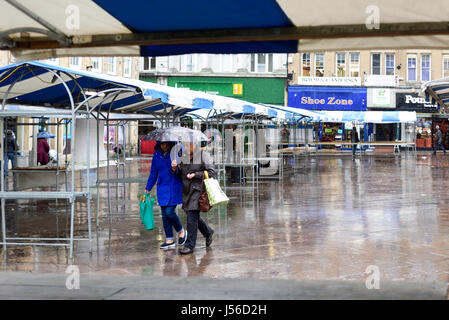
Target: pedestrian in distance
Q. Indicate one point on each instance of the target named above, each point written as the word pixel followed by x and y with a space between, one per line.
pixel 354 138
pixel 438 141
pixel 285 134
pixel 10 150
pixel 191 170
pixel 169 192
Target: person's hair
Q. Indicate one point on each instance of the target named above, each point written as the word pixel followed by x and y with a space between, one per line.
pixel 170 143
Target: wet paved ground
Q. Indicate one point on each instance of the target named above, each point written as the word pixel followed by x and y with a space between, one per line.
pixel 330 219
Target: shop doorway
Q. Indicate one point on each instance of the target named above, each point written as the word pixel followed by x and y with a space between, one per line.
pixel 385 132
pixel 443 124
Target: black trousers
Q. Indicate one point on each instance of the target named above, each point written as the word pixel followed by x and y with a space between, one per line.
pixel 195 223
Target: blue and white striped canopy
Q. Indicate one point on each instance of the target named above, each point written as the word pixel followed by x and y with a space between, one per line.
pixel 437 91
pixel 350 116
pixel 364 116
pixel 161 27
pixel 35 84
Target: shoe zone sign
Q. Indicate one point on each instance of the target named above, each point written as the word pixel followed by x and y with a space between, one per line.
pixel 327 98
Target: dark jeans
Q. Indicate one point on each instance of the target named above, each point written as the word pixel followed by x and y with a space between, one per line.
pixel 440 145
pixel 195 222
pixel 9 156
pixel 354 148
pixel 170 219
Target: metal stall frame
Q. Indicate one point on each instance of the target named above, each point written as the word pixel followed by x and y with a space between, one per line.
pixel 71 195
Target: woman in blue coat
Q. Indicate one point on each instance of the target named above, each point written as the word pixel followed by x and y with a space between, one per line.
pixel 169 192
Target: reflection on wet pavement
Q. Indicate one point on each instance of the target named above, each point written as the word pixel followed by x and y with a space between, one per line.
pixel 330 219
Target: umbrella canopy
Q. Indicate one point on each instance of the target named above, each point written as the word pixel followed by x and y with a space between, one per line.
pixel 176 133
pixel 45 135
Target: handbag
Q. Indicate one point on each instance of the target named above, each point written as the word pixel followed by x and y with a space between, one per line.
pixel 204 199
pixel 146 210
pixel 214 193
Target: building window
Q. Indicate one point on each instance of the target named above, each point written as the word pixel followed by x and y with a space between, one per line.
pixel 319 64
pixel 186 63
pixel 375 63
pixel 355 64
pixel 96 64
pixel 112 65
pixel 425 67
pixel 76 62
pixel 127 67
pixel 305 65
pixel 270 62
pixel 53 61
pixel 411 68
pixel 189 63
pixel 262 62
pixel 147 63
pixel 341 64
pixel 226 63
pixel 389 64
pixel 445 66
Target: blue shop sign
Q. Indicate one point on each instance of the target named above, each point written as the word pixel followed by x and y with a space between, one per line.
pixel 327 98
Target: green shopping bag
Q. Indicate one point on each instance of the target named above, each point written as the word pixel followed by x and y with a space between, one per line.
pixel 146 210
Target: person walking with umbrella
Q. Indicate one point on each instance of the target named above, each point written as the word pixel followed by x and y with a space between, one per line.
pixel 169 192
pixel 191 170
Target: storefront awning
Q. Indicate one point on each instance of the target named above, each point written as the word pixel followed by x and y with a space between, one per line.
pixel 364 116
pixel 51 28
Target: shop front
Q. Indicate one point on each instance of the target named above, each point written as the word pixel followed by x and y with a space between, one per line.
pixel 329 98
pixel 427 118
pixel 382 99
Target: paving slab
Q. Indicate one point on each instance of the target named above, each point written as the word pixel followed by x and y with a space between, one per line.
pixel 17 285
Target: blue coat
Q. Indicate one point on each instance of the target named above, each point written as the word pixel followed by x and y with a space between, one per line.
pixel 169 185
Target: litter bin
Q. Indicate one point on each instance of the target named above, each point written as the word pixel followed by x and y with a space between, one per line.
pixel 22 161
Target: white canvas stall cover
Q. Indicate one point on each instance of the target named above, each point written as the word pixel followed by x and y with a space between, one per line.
pixel 314 25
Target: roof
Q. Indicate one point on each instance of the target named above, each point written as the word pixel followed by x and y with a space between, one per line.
pixel 40 29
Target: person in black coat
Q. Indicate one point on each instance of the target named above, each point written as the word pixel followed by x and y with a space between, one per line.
pixel 354 138
pixel 191 170
pixel 10 150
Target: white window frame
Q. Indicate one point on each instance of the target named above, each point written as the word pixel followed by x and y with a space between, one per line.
pixel 229 62
pixel 187 58
pixel 444 55
pixel 394 62
pixel 142 63
pixel 114 71
pixel 412 55
pixel 430 66
pixel 315 64
pixel 350 64
pixel 380 62
pixel 129 61
pixel 53 61
pixel 76 66
pixel 100 66
pixel 310 64
pixel 336 64
pixel 256 62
